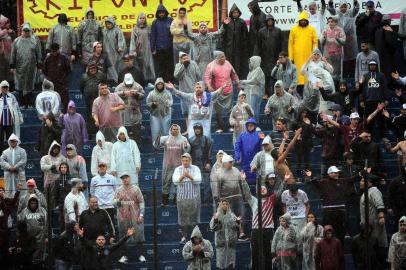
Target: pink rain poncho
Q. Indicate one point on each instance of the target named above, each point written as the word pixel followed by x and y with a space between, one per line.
pixel 334 40
pixel 217 75
pixel 101 108
pixel 5 49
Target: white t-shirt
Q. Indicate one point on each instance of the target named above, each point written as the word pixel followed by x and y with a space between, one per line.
pixel 295 206
pixel 268 164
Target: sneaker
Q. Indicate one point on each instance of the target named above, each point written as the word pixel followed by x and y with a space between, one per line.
pixel 219 130
pixel 142 259
pixel 123 260
pixel 243 237
pixel 183 241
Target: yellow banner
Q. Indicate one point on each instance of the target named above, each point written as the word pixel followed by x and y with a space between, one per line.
pixel 43 14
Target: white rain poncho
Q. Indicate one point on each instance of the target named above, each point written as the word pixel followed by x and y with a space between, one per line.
pixel 198 261
pixel 309 236
pixel 254 85
pixel 101 153
pixel 238 116
pixel 125 157
pixel 50 164
pixel 89 31
pixel 63 35
pixel 397 248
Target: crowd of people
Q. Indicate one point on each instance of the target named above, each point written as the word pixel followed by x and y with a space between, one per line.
pixel 333 83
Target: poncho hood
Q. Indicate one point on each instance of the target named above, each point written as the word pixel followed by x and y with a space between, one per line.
pixel 141 14
pixel 3 21
pixel 180 132
pixel 402 220
pixel 328 228
pixel 251 121
pixel 33 197
pixel 158 80
pixel 303 16
pixel 89 9
pixel 122 130
pixel 100 137
pixel 255 7
pixel 255 62
pixel 269 17
pixel 196 233
pixel 13 137
pixel 111 20
pixel 62 18
pixel 53 144
pixel 232 9
pixel 71 104
pixel 161 8
pixel 287 217
pixel 73 147
pixel 47 85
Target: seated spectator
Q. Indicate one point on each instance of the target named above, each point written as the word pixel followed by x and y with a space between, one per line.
pixel 198 252
pixel 48 101
pixel 31 189
pixel 49 131
pixel 101 152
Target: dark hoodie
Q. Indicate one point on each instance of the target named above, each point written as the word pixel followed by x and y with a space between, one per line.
pixel 329 253
pixel 385 46
pixel 63 186
pixel 26 242
pixel 358 250
pixel 47 135
pixel 161 38
pixel 62 18
pixel 200 148
pixel 7 206
pixel 374 88
pixel 367 25
pixel 257 21
pixel 64 247
pixel 344 99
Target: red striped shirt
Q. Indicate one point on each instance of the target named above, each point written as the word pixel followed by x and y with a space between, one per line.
pixel 267 213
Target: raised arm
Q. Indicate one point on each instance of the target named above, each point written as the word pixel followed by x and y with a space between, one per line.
pixel 283 156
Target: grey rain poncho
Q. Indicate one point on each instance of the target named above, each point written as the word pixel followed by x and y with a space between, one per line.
pixel 63 35
pixel 89 31
pixel 198 261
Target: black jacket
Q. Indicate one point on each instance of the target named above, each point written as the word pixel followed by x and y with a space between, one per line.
pixel 396 194
pixel 257 21
pixel 270 44
pixel 374 91
pixel 351 174
pixel 367 25
pixel 385 46
pixel 200 150
pixel 95 224
pixel 358 250
pixel 135 71
pixel 47 135
pixel 64 247
pixel 368 151
pixel 345 100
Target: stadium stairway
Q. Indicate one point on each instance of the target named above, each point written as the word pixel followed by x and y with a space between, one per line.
pixel 169 249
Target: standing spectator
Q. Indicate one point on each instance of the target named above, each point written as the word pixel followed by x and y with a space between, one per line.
pixel 225 225
pixel 280 104
pixel 346 20
pixel 359 250
pixel 235 41
pixel 365 56
pixel 285 71
pixel 344 97
pixel 6 40
pixel 198 252
pixel 64 250
pixel 63 35
pixel 106 112
pixel 62 189
pixel 386 45
pixel 89 87
pixel 364 148
pixel 329 252
pixel 396 201
pixel 187 72
pixel 25 64
pixel 270 44
pixel 31 189
pixel 48 101
pixel 187 179
pixel 310 235
pixel 131 67
pixel 402 29
pixel 49 131
pixel 284 244
pixel 204 44
pixel 367 22
pixel 36 218
pixel 103 186
pixel 89 31
pixel 100 59
pixel 397 246
pixel 268 199
pixel 57 69
pixel 304 144
pixel 215 170
pixel 11 117
pixel 180 40
pixel 140 46
pixel 77 165
pixel 239 115
pixel 160 103
pixel 200 105
pixel 101 152
pixel 296 203
pixel 12 162
pixel 25 246
pixel 161 43
pixel 246 146
pixel 333 39
pixel 302 41
pixel 75 202
pixel 257 21
pixel 114 46
pixel 130 213
pixel 132 93
pixel 316 19
pixel 50 164
pixel 254 84
pixel 174 145
pixel 74 128
pixel 262 163
pixel 220 73
pixel 125 156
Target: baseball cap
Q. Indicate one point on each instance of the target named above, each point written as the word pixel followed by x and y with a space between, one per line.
pixel 31 183
pixel 279 83
pixel 227 158
pixel 372 62
pixel 124 174
pixel 403 107
pixel 102 163
pixel 336 107
pixel 333 169
pixel 4 84
pixel 354 115
pixel 26 27
pixel 128 79
pixel 242 93
pixel 370 3
pixel 271 175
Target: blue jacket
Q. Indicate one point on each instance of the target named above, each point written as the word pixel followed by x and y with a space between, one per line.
pixel 160 35
pixel 246 146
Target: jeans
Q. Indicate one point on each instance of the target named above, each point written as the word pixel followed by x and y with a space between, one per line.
pixel 62 265
pixel 159 125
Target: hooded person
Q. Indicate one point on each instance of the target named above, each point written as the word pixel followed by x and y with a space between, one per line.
pixel 284 244
pixel 257 21
pixel 159 102
pixel 125 156
pixel 49 131
pixel 6 40
pixel 48 101
pixel 12 162
pixel 161 43
pixel 187 179
pixel 74 128
pixel 62 189
pixel 31 189
pixel 181 42
pixel 36 218
pixel 102 151
pixel 225 225
pixel 367 22
pixel 310 235
pixel 239 115
pixel 174 145
pixel 141 47
pixel 302 40
pixel 203 45
pixel 254 84
pixel 235 41
pixel 360 244
pixel 246 146
pixel 50 164
pixel 280 104
pixel 89 31
pixel 329 252
pixel 106 112
pixel 397 247
pixel 270 44
pixel 63 35
pixel 76 163
pixel 215 170
pixel 200 105
pixel 198 252
pixel 316 19
pixel 114 46
pixel 26 57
